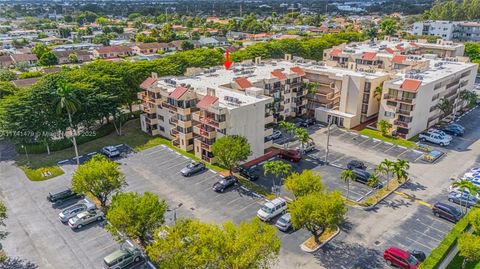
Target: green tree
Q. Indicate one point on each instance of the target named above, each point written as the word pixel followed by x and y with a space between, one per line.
pixel 400 170
pixel 67 101
pixel 389 26
pixel 102 21
pixel 287 127
pixel 6 89
pixel 48 59
pixel 230 150
pixel 304 183
pixel 377 93
pixel 371 32
pixel 40 49
pixel 317 211
pixel 187 45
pixel 99 177
pixel 3 217
pixel 7 75
pixel 445 106
pixel 301 134
pixel 469 248
pixel 136 216
pixel 470 97
pixel 468 186
pixel 373 180
pixel 385 168
pixel 384 127
pixel 73 58
pixel 474 219
pixel 347 175
pixel 192 244
pixel 278 169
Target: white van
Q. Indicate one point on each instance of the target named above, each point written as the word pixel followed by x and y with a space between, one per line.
pixel 271 209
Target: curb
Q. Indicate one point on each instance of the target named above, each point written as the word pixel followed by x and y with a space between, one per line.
pixel 383 197
pixel 306 249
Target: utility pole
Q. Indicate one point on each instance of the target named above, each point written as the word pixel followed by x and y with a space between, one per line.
pixel 26 153
pixel 328 140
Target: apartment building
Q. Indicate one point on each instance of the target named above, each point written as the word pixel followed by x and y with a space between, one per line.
pixel 410 100
pixel 195 109
pixel 449 30
pixel 390 54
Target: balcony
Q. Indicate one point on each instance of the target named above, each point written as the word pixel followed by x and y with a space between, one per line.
pixel 198 130
pixel 206 146
pixel 302 102
pixel 148 108
pixel 153 131
pixel 184 124
pixel 169 106
pixel 173 121
pixel 401 123
pixel 176 142
pixel 404 112
pixel 174 132
pixel 209 121
pixel 398 99
pixel 208 159
pixel 184 111
pixel 151 121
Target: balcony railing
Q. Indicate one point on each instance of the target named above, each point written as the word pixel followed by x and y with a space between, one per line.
pixel 398 99
pixel 169 106
pixel 174 132
pixel 403 112
pixel 401 123
pixel 173 121
pixel 206 146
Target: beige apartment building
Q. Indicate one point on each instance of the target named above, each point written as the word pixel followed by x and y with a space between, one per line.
pixel 409 101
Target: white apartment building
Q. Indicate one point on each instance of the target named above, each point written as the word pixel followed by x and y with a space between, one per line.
pixel 448 30
pixel 409 101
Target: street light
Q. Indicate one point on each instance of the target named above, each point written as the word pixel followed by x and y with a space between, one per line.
pixel 328 139
pixel 175 212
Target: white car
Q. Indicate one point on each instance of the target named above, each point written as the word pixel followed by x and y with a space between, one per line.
pixel 471 174
pixel 307 147
pixel 459 190
pixel 110 151
pixel 275 135
pixel 435 138
pixel 271 209
pixel 475 170
pixel 440 132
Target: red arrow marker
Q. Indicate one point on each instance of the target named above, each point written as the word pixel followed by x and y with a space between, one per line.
pixel 227 62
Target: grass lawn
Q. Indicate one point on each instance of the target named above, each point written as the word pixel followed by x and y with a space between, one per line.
pixel 374 198
pixel 43 173
pixel 397 141
pixel 456 263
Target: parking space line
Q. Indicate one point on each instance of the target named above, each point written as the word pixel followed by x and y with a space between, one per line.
pixel 339 159
pixel 368 139
pixel 402 153
pixel 249 205
pixel 433 228
pixel 418 158
pixel 232 201
pixel 153 152
pixel 376 140
pixel 208 178
pixel 390 147
pixel 421 244
pixel 179 164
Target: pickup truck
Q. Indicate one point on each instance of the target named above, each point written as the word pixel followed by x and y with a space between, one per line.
pixel 435 138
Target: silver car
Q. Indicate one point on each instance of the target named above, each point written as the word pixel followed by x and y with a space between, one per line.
pixel 74 210
pixel 110 151
pixel 85 218
pixel 284 223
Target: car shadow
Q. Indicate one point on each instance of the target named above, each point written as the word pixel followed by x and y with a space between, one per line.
pixel 17 263
pixel 99 223
pixel 67 203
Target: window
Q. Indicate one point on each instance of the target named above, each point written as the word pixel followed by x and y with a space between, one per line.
pixel 389 114
pixel 160 117
pixel 161 128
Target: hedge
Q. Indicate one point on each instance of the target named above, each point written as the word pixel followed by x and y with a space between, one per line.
pixel 37 148
pixel 439 253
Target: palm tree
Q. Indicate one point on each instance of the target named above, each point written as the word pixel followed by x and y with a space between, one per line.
pixel 67 101
pixel 400 168
pixel 373 180
pixel 287 127
pixel 277 169
pixel 346 176
pixel 301 134
pixel 385 168
pixel 445 106
pixel 468 186
pixel 469 96
pixel 377 93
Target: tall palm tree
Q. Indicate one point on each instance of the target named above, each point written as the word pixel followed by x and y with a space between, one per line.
pixel 373 180
pixel 400 168
pixel 377 93
pixel 287 127
pixel 66 101
pixel 385 168
pixel 278 169
pixel 347 175
pixel 301 134
pixel 468 186
pixel 445 106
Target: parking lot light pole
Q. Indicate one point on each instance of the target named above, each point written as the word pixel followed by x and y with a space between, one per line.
pixel 26 153
pixel 328 140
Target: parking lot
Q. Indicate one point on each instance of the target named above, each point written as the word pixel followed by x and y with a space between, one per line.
pixel 123 149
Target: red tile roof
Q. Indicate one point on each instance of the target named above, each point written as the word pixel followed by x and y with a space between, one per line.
pixel 207 101
pixel 243 82
pixel 399 47
pixel 335 52
pixel 411 85
pixel 279 74
pixel 298 70
pixel 178 92
pixel 147 83
pixel 117 49
pixel 389 50
pixel 368 55
pixel 24 57
pixel 413 44
pixel 398 59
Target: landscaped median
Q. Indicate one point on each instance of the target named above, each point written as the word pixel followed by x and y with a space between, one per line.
pixel 390 139
pixel 312 245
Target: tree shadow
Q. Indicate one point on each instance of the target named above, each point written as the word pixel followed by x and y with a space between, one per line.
pixel 17 263
pixel 413 186
pixel 397 203
pixel 349 255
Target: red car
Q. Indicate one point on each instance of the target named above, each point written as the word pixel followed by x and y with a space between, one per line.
pixel 292 155
pixel 400 258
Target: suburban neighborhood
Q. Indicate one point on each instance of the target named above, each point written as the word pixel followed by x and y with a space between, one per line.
pixel 243 134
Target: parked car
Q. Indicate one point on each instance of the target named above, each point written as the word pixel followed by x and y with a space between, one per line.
pixel 307 122
pixel 247 173
pixel 292 155
pixel 435 138
pixel 271 209
pixel 72 211
pixel 356 164
pixel 122 258
pixel 439 132
pixel 445 211
pixel 224 183
pixel 400 258
pixel 307 147
pixel 418 254
pixel 275 135
pixel 110 151
pixel 193 168
pixel 85 218
pixel 284 223
pixel 462 199
pixel 458 126
pixel 475 170
pixel 459 190
pixel 61 196
pixel 453 130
